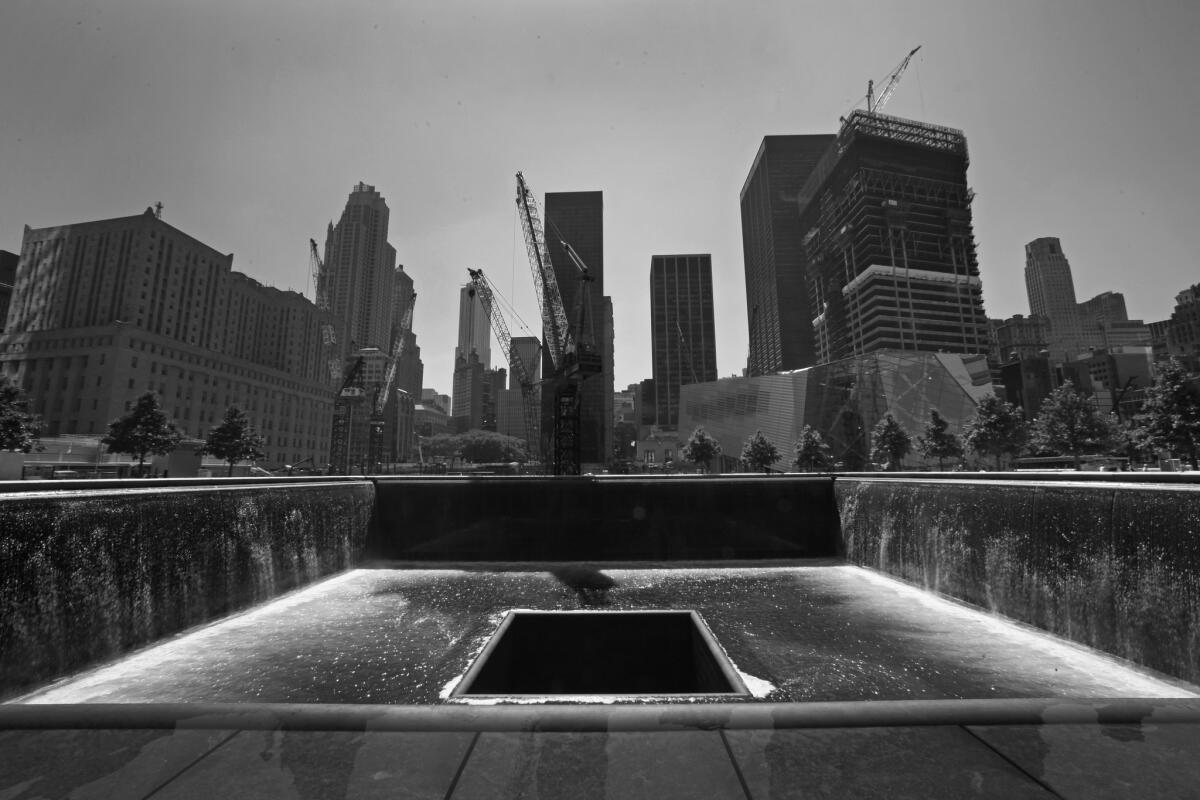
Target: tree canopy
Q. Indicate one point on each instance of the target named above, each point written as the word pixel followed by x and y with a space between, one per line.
pixel 234 440
pixel 1170 416
pixel 145 430
pixel 890 443
pixel 759 453
pixel 476 446
pixel 997 429
pixel 1069 423
pixel 700 448
pixel 937 442
pixel 19 429
pixel 812 453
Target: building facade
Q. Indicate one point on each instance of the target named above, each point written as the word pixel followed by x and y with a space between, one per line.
pixel 682 331
pixel 104 311
pixel 578 219
pixel 8 276
pixel 842 401
pixel 778 311
pixel 1183 329
pixel 889 242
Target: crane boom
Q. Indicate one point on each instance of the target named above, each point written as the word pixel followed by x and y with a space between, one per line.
pixel 528 396
pixel 554 316
pixel 874 105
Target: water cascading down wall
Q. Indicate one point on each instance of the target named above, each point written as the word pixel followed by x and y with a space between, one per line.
pixel 88 575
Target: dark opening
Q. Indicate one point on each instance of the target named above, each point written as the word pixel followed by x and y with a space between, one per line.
pixel 601 653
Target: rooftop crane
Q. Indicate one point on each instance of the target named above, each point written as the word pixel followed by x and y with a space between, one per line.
pixel 520 370
pixel 321 278
pixel 572 354
pixel 876 104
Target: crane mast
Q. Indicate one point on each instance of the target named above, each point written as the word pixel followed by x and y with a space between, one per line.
pixel 572 361
pixel 528 396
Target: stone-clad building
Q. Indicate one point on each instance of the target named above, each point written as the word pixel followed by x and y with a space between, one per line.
pixel 104 311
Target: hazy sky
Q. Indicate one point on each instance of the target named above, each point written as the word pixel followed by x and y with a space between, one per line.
pixel 252 121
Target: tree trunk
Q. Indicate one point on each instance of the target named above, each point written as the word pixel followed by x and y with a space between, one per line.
pixel 230 475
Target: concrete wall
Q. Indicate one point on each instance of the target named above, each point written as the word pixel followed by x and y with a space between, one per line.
pixel 85 577
pixel 610 518
pixel 1114 567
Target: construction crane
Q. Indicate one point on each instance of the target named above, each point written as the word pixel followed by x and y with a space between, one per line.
pixel 572 353
pixel 350 396
pixel 876 104
pixel 383 391
pixel 520 370
pixel 321 279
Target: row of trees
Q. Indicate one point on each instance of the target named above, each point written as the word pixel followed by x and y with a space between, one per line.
pixel 1067 424
pixel 144 431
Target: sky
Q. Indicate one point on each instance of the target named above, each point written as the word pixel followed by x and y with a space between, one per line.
pixel 252 121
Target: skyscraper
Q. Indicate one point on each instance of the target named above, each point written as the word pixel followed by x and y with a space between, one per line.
pixel 889 242
pixel 1052 295
pixel 362 265
pixel 578 219
pixel 682 331
pixel 777 302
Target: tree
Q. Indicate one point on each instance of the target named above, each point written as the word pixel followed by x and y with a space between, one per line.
pixel 759 453
pixel 701 448
pixel 998 429
pixel 143 431
pixel 1070 424
pixel 233 440
pixel 812 452
pixel 1171 414
pixel 19 429
pixel 937 442
pixel 890 443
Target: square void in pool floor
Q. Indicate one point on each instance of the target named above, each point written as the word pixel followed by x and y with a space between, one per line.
pixel 614 653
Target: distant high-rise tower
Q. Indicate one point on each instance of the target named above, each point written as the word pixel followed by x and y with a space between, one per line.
pixel 362 265
pixel 578 219
pixel 1052 295
pixel 777 303
pixel 889 241
pixel 682 331
pixel 474 333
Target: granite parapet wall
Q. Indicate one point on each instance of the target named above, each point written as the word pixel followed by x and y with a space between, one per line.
pixel 608 518
pixel 87 576
pixel 1114 567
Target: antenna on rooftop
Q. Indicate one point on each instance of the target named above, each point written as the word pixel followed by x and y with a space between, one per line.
pixel 158 207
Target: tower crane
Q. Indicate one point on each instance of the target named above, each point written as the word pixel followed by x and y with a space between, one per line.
pixel 573 358
pixel 876 104
pixel 383 391
pixel 520 369
pixel 321 279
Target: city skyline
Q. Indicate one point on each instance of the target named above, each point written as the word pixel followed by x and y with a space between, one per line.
pixel 214 113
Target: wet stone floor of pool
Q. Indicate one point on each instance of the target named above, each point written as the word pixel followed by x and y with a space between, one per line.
pixel 403 634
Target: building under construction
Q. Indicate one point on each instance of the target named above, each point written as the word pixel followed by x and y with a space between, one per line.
pixel 888 241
